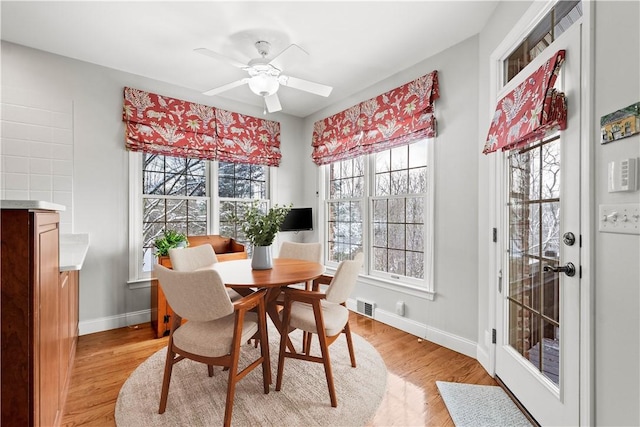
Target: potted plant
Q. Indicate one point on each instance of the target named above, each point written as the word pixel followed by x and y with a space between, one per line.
pixel 170 239
pixel 260 229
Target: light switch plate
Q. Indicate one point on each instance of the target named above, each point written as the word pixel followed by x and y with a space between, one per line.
pixel 622 218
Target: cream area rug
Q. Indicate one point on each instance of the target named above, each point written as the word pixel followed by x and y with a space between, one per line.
pixel 195 399
pixel 480 405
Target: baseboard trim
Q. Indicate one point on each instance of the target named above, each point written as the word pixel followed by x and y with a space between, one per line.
pixel 484 359
pixel 445 339
pixel 114 322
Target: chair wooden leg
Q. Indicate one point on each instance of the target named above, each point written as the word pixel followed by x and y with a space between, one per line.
pixel 284 337
pixel 168 368
pixel 210 367
pixel 347 332
pixel 324 349
pixel 231 391
pixel 307 344
pixel 264 349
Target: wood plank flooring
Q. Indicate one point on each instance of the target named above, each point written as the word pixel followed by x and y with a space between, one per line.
pixel 106 359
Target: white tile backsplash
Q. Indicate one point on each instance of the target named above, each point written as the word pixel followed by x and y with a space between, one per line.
pixel 16 181
pixel 62 167
pixel 42 150
pixel 62 183
pixel 15 147
pixel 15 164
pixel 36 157
pixel 40 166
pixel 41 183
pixel 40 133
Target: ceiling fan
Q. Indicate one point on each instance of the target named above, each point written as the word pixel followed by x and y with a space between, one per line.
pixel 265 76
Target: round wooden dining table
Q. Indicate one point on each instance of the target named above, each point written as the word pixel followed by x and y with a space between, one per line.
pixel 286 271
pixel 239 275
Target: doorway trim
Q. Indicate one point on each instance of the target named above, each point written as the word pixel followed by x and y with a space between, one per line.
pixel 532 16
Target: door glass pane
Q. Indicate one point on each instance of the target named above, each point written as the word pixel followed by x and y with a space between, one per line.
pixel 534 241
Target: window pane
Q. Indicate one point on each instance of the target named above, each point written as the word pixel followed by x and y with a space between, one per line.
pixel 399 158
pixel 396 236
pixel 383 161
pixel 153 183
pixel 396 262
pixel 417 180
pixel 415 210
pixel 175 185
pixel 415 238
pixel 400 182
pixel 153 210
pixel 418 154
pixel 396 210
pixel 176 210
pixel 383 184
pixel 556 22
pixel 153 162
pixel 175 165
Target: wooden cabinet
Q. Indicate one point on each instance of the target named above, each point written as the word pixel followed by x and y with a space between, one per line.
pixel 226 249
pixel 34 304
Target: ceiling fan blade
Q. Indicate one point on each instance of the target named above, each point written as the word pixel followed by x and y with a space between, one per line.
pixel 216 55
pixel 277 60
pixel 226 87
pixel 307 86
pixel 273 103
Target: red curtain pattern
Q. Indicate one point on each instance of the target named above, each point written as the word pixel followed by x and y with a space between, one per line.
pixel 529 111
pixel 400 116
pixel 245 139
pixel 162 125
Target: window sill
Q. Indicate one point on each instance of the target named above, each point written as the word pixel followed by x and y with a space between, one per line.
pixel 392 285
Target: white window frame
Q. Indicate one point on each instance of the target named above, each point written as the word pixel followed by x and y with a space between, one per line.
pixel 424 288
pixel 137 277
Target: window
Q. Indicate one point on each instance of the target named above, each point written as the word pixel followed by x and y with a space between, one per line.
pixel 239 186
pixel 174 193
pixel 556 22
pixel 191 196
pixel 379 203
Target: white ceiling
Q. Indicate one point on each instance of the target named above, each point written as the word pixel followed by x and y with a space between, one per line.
pixel 351 45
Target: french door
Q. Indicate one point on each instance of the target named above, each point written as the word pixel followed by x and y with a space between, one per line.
pixel 538 306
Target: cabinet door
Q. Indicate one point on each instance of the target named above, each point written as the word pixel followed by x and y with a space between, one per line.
pixel 47 327
pixel 65 338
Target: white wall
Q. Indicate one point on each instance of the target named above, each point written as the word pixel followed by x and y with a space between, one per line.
pixel 451 317
pixel 617 266
pixel 100 168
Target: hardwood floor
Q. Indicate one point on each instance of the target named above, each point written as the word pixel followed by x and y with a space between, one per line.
pixel 106 359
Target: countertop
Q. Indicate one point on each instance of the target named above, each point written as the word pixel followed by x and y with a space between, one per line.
pixel 73 250
pixel 31 204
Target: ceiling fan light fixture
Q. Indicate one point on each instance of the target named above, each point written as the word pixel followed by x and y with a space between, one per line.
pixel 264 84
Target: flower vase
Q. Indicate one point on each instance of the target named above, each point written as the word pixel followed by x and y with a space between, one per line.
pixel 261 258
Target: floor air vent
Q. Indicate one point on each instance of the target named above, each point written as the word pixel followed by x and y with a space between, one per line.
pixel 365 307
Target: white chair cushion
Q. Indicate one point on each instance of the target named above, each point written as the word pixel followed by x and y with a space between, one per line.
pixel 214 338
pixel 335 316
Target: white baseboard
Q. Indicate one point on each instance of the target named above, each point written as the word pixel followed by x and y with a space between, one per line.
pixel 445 339
pixel 114 322
pixel 484 359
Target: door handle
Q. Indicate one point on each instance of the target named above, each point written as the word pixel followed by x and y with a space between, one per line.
pixel 569 269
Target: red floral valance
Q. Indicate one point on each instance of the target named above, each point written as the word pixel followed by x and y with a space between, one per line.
pixel 529 111
pixel 242 138
pixel 162 125
pixel 400 116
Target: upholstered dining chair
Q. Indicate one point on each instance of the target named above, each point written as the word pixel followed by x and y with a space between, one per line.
pixel 216 328
pixel 196 258
pixel 324 314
